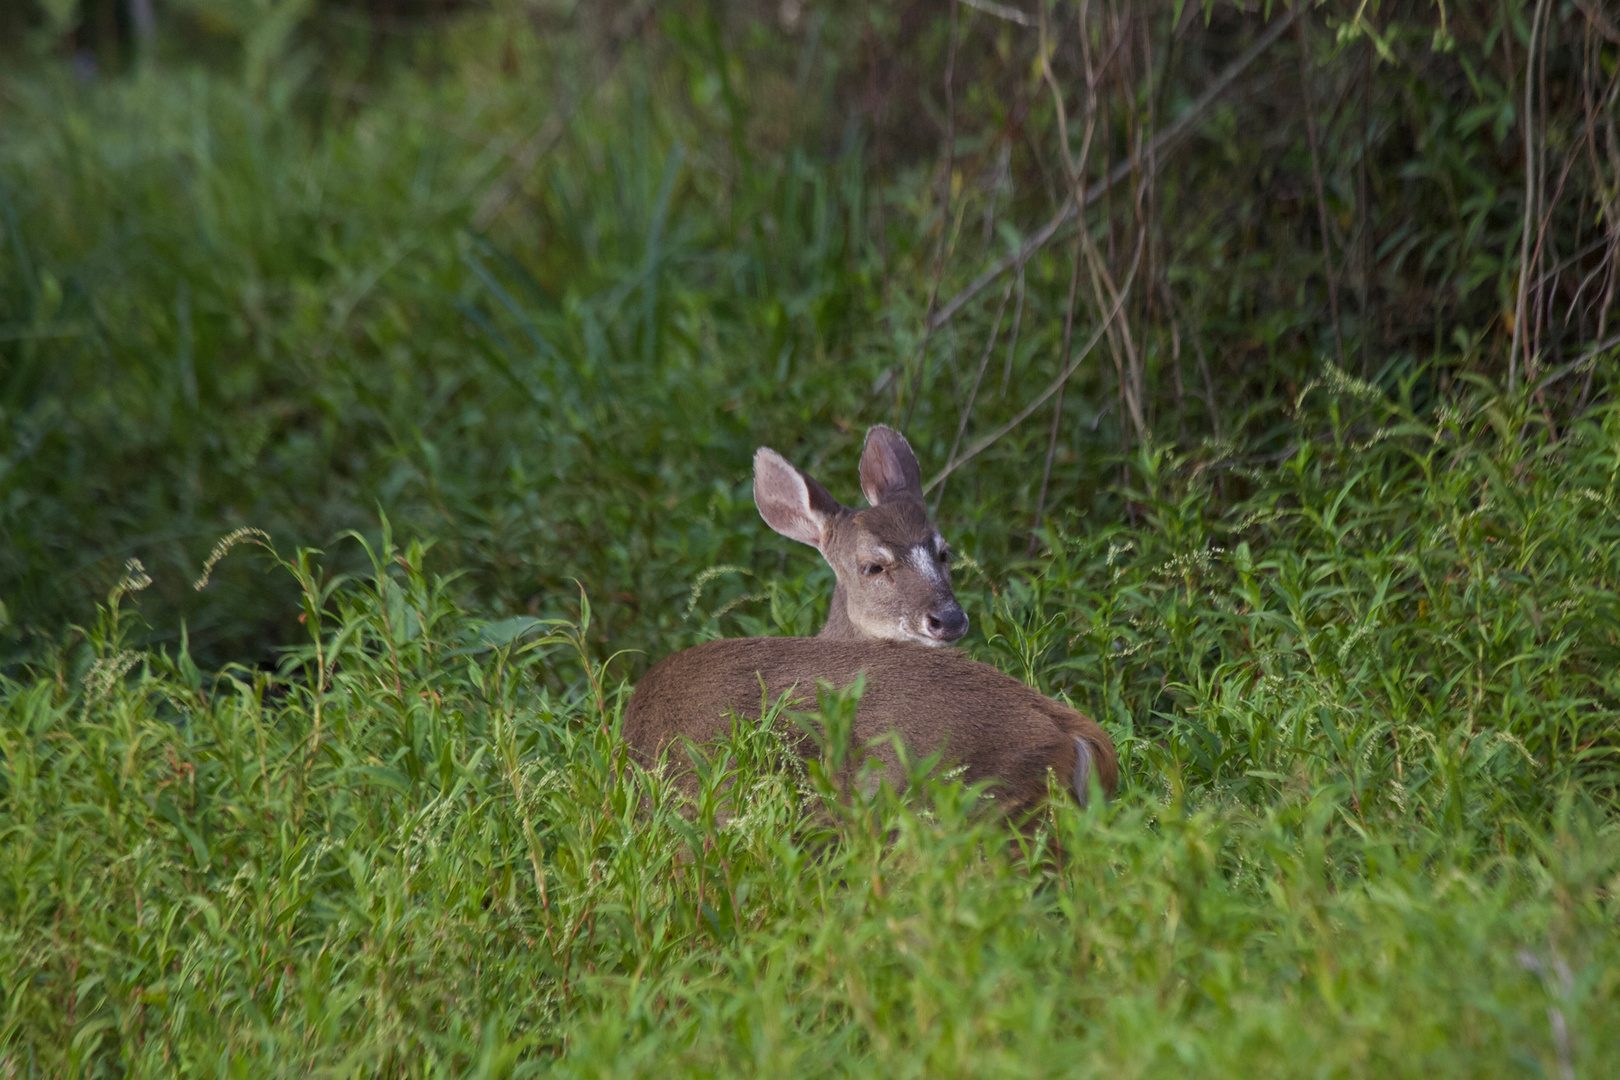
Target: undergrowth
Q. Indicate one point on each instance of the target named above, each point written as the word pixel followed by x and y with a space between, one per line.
pixel 1367 823
pixel 1321 533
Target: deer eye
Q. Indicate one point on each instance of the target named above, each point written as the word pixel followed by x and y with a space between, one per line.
pixel 871 569
pixel 943 555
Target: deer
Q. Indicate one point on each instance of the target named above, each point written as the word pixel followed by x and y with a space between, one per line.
pixel 892 617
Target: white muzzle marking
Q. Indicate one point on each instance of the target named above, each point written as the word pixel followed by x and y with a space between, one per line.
pixel 908 634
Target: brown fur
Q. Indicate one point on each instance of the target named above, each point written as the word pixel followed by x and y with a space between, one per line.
pixel 935 699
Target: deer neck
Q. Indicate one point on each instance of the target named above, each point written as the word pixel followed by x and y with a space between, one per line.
pixel 838 626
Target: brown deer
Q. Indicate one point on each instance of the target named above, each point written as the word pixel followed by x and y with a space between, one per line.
pixel 892 600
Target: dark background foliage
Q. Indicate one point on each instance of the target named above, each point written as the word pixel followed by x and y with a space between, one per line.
pixel 463 264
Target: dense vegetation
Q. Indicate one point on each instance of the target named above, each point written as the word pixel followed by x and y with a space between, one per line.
pixel 377 391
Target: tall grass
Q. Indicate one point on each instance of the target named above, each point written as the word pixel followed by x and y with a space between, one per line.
pixel 318 319
pixel 419 847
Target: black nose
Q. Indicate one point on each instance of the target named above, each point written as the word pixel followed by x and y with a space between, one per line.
pixel 948 625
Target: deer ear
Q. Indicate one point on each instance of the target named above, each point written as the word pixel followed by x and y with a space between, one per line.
pixel 790 502
pixel 889 469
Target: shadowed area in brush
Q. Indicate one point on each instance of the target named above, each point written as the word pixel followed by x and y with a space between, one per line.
pixel 435 341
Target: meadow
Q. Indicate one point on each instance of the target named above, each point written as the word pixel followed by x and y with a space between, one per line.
pixel 378 388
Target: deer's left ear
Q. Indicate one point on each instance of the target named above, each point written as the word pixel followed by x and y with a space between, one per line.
pixel 790 501
pixel 889 469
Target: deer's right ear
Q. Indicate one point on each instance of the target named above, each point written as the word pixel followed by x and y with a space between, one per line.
pixel 790 502
pixel 889 469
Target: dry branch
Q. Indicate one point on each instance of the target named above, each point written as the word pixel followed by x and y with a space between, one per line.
pixel 1582 361
pixel 1593 14
pixel 908 385
pixel 1321 197
pixel 1530 200
pixel 978 378
pixel 1001 11
pixel 1063 377
pixel 1156 152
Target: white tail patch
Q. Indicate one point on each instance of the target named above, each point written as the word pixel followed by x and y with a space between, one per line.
pixel 1082 771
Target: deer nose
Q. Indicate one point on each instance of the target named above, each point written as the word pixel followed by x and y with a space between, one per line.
pixel 949 624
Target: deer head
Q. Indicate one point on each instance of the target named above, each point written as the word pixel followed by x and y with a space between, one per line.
pixel 892 565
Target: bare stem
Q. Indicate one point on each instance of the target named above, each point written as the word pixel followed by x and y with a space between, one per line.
pixel 1012 339
pixel 1529 125
pixel 1028 410
pixel 1158 152
pixel 1057 409
pixel 912 386
pixel 978 379
pixel 1321 198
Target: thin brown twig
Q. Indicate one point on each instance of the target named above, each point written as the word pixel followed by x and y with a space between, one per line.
pixel 978 379
pixel 1530 197
pixel 1544 295
pixel 1002 177
pixel 1147 196
pixel 1575 299
pixel 1000 11
pixel 1203 365
pixel 550 132
pixel 1596 106
pixel 1578 363
pixel 1012 339
pixel 995 329
pixel 362 94
pixel 1120 340
pixel 1611 214
pixel 914 389
pixel 524 159
pixel 1159 147
pixel 1552 272
pixel 1134 358
pixel 1177 386
pixel 1364 207
pixel 1321 198
pixel 879 111
pixel 1057 408
pixel 1104 291
pixel 1076 172
pixel 1595 16
pixel 1209 386
pixel 1029 409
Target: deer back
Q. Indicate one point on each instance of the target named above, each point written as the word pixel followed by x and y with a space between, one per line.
pixel 991 725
